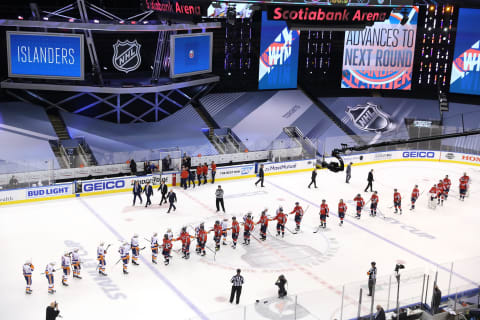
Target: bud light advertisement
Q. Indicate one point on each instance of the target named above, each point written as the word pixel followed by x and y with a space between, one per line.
pixel 278 55
pixel 465 76
pixel 381 56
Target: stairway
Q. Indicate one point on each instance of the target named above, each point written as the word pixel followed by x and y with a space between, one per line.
pixel 60 154
pixel 58 125
pixel 308 147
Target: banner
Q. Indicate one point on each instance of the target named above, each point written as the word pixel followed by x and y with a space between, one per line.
pixel 279 47
pixel 289 166
pixel 50 191
pixel 465 77
pixel 116 184
pixel 235 171
pixel 381 56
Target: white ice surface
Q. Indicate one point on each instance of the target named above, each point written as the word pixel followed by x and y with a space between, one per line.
pixel 315 264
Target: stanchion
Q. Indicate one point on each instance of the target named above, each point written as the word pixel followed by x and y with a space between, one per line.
pixel 359 304
pixel 341 307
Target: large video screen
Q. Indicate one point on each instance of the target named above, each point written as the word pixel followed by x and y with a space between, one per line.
pixel 45 55
pixel 278 55
pixel 190 54
pixel 381 56
pixel 465 77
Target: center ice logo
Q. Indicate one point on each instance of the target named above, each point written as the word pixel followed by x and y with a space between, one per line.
pixel 369 117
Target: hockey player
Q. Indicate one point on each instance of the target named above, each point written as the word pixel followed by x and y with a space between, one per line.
pixel 202 239
pixel 433 196
pixel 66 263
pixel 263 225
pixel 205 172
pixel 374 204
pixel 197 233
pixel 324 213
pixel 154 246
pixel 27 273
pixel 124 251
pixel 248 228
pixel 167 247
pixel 170 234
pixel 135 249
pixel 464 186
pixel 217 234
pixel 224 230
pixel 49 270
pixel 342 210
pixel 360 203
pixel 397 201
pixel 101 253
pixel 415 195
pixel 235 232
pixel 446 186
pixel 281 221
pixel 76 263
pixel 298 211
pixel 185 238
pixel 440 194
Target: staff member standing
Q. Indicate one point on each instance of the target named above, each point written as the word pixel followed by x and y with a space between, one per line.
pixel 214 171
pixel 219 198
pixel 183 178
pixel 314 178
pixel 163 190
pixel 52 311
pixel 370 181
pixel 260 175
pixel 372 278
pixel 349 173
pixel 172 198
pixel 148 192
pixel 237 282
pixel 137 192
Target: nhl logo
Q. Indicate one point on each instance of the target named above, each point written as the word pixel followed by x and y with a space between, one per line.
pixel 191 54
pixel 369 117
pixel 126 55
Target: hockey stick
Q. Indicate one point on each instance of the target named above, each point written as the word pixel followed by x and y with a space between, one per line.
pixel 290 230
pixel 318 228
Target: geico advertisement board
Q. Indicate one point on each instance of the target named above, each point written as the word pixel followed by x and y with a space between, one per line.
pixel 234 171
pixel 116 184
pixel 271 168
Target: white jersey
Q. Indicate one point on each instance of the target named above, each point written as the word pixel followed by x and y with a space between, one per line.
pixel 134 242
pixel 101 251
pixel 170 235
pixel 124 250
pixel 75 257
pixel 27 269
pixel 154 242
pixel 49 269
pixel 224 225
pixel 66 261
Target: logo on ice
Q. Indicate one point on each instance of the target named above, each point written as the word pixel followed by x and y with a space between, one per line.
pixel 126 55
pixel 369 117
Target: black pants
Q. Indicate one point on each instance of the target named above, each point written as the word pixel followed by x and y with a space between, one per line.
pixel 199 177
pixel 148 200
pixel 183 183
pixel 164 197
pixel 191 180
pixel 347 180
pixel 218 202
pixel 213 176
pixel 314 181
pixel 135 195
pixel 369 185
pixel 371 285
pixel 237 291
pixel 171 206
pixel 260 179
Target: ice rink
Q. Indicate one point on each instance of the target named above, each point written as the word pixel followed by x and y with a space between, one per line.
pixel 316 265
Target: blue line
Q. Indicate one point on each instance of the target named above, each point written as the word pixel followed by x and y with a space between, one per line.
pixel 381 237
pixel 148 264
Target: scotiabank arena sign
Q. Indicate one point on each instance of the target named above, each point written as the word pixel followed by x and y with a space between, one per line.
pixel 328 15
pixel 173 8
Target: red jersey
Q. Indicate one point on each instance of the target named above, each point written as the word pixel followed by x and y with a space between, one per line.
pixel 205 169
pixel 298 210
pixel 281 218
pixel 199 170
pixel 324 209
pixel 249 224
pixel 184 174
pixel 360 202
pixel 214 167
pixel 415 193
pixel 202 235
pixel 374 199
pixel 235 227
pixel 342 207
pixel 464 182
pixel 440 186
pixel 433 190
pixel 397 197
pixel 217 229
pixel 184 237
pixel 167 244
pixel 447 183
pixel 263 220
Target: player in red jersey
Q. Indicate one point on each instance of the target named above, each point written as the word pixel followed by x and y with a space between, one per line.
pixel 374 204
pixel 263 225
pixel 433 196
pixel 202 239
pixel 235 232
pixel 217 234
pixel 298 211
pixel 185 238
pixel 464 186
pixel 397 201
pixel 342 210
pixel 446 186
pixel 440 189
pixel 167 247
pixel 324 214
pixel 281 221
pixel 360 203
pixel 248 228
pixel 415 195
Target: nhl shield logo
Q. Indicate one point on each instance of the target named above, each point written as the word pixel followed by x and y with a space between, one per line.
pixel 369 117
pixel 126 55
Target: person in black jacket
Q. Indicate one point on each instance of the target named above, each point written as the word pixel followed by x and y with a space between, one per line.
pixel 191 177
pixel 172 197
pixel 52 311
pixel 137 192
pixel 260 175
pixel 370 181
pixel 436 298
pixel 148 192
pixel 133 167
pixel 314 178
pixel 380 315
pixel 163 190
pixel 281 282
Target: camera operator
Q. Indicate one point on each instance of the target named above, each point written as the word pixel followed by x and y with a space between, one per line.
pixel 52 311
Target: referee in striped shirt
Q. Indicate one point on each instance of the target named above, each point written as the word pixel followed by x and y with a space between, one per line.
pixel 237 282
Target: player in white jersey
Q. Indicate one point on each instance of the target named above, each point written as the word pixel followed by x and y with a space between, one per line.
pixel 101 253
pixel 124 251
pixel 135 249
pixel 27 273
pixel 224 230
pixel 154 246
pixel 76 261
pixel 49 270
pixel 170 234
pixel 66 263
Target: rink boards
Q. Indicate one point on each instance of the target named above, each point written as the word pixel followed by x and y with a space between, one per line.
pixel 125 184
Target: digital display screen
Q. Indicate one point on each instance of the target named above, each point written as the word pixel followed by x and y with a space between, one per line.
pixel 190 54
pixel 279 48
pixel 381 56
pixel 45 55
pixel 465 77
